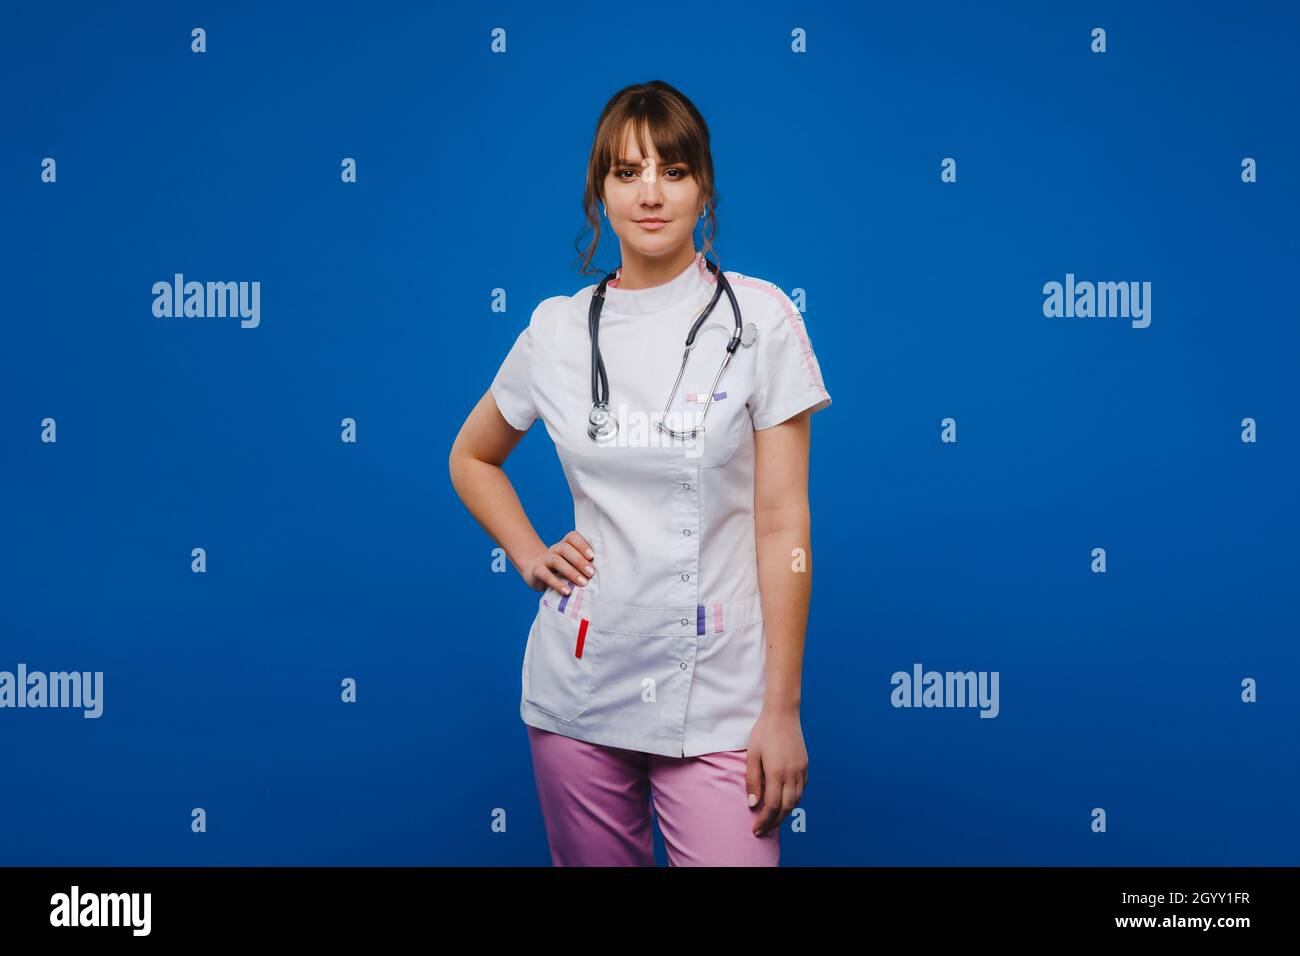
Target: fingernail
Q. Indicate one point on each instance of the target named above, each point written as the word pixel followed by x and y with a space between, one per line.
pixel 590 571
pixel 581 581
pixel 753 799
pixel 566 589
pixel 590 553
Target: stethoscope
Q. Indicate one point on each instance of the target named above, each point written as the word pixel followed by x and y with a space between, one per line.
pixel 601 424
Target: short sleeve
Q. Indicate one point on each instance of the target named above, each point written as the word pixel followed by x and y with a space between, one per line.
pixel 789 378
pixel 512 388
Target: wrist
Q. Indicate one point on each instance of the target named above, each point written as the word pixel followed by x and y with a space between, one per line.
pixel 781 706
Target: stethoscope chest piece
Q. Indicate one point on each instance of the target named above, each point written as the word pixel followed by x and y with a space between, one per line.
pixel 601 425
pixel 748 334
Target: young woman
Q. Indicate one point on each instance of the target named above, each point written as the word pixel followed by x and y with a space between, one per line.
pixel 666 655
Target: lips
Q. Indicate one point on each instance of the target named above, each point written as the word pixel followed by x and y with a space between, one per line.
pixel 652 223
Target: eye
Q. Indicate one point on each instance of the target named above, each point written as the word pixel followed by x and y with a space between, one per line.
pixel 681 174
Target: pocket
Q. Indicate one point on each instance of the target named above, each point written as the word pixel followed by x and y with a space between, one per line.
pixel 557 675
pixel 720 438
pixel 725 414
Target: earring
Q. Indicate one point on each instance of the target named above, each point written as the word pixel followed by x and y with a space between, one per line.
pixel 603 212
pixel 701 213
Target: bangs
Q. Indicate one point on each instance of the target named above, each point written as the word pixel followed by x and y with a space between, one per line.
pixel 671 140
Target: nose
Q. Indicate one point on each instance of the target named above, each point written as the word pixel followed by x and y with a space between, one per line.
pixel 651 195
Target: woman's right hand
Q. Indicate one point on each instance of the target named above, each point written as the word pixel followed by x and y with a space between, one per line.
pixel 571 559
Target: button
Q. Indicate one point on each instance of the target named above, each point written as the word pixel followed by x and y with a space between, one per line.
pixel 686 486
pixel 683 665
pixel 687 532
pixel 686 577
pixel 685 623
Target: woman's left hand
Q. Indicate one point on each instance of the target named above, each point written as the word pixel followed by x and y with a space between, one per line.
pixel 777 767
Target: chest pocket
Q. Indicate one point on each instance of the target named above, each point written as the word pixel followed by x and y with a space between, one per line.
pixel 717 442
pixel 727 415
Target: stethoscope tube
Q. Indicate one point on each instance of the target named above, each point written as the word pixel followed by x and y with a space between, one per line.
pixel 601 424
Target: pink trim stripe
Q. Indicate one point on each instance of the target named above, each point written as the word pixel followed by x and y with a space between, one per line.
pixel 791 316
pixel 717 618
pixel 570 604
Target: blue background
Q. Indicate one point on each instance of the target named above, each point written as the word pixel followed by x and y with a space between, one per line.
pixel 924 300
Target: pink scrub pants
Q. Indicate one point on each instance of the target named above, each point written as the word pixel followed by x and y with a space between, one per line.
pixel 596 804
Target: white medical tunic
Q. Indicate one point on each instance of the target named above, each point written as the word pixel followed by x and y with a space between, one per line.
pixel 663 651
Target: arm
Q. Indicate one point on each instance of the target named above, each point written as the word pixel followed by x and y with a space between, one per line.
pixel 482 445
pixel 778 760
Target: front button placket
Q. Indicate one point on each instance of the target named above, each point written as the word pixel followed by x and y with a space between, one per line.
pixel 683 525
pixel 685 646
pixel 683 531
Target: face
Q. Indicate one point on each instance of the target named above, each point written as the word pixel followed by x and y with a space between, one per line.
pixel 653 207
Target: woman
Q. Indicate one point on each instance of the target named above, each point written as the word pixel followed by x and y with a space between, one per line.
pixel 666 653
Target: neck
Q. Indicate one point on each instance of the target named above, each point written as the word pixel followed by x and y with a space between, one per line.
pixel 643 272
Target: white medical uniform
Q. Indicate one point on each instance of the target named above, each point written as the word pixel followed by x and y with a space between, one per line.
pixel 664 650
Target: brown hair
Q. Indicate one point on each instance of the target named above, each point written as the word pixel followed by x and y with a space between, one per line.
pixel 678 132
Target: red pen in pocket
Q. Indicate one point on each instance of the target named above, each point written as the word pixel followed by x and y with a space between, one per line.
pixel 582 636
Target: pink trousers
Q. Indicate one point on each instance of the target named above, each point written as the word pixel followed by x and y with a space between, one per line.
pixel 596 804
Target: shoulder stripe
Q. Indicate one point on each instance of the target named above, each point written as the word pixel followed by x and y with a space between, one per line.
pixel 791 318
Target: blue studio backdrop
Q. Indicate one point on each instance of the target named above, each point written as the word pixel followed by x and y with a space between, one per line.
pixel 1099 510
